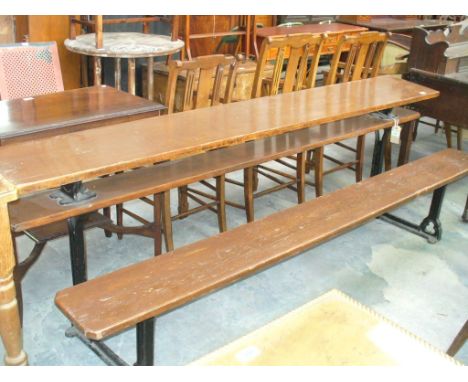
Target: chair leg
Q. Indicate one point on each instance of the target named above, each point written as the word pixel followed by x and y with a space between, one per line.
pixel 183 199
pixel 361 144
pixel 255 178
pixel 107 213
pixel 221 200
pixel 459 340
pixel 448 134
pixel 318 169
pixel 300 176
pixel 308 161
pixel 157 208
pixel 248 193
pixel 119 216
pixel 459 138
pixel 415 130
pixel 167 221
pixel 388 153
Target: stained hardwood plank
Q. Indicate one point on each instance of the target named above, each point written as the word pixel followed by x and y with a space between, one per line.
pixel 70 110
pixel 107 304
pixel 39 209
pixel 50 162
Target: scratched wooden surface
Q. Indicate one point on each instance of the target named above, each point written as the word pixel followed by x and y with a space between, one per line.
pixel 50 162
pixel 107 304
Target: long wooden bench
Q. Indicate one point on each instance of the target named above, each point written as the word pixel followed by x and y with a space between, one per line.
pixel 136 294
pixel 42 219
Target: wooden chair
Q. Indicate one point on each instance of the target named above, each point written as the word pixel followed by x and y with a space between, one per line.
pixel 362 60
pixel 291 72
pixel 203 79
pixel 29 69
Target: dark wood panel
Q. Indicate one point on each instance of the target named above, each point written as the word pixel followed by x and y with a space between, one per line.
pixel 71 110
pixel 452 104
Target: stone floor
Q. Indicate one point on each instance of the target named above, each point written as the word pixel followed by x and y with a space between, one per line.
pixel 422 287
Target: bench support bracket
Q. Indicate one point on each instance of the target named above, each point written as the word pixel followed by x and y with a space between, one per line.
pixel 77 249
pixel 108 356
pixel 432 235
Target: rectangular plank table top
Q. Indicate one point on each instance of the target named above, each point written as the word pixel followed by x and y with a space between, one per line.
pixel 332 330
pixel 50 162
pixel 70 110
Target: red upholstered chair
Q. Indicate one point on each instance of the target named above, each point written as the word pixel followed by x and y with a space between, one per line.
pixel 29 69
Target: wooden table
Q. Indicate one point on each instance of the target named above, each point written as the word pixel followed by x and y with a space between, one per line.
pixel 333 30
pixel 34 166
pixel 391 24
pixel 70 110
pixel 130 45
pixel 452 105
pixel 332 330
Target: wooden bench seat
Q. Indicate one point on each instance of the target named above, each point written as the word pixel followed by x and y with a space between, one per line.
pixel 39 209
pixel 42 219
pixel 129 296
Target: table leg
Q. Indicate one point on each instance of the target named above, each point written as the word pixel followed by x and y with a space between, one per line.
pixel 150 79
pixel 117 74
pixel 10 324
pixel 77 249
pixel 131 76
pixel 379 150
pixel 97 71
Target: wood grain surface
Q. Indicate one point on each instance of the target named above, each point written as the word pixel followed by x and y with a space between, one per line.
pixel 70 110
pixel 108 304
pixel 51 162
pixel 38 209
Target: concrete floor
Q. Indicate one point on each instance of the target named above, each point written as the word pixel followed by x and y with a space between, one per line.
pixel 422 287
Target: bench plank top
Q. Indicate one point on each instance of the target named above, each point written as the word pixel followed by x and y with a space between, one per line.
pixel 108 304
pixel 51 162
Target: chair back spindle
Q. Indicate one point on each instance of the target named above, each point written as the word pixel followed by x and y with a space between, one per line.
pixel 362 60
pixel 298 48
pixel 201 89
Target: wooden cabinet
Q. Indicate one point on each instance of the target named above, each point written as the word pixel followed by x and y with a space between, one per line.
pixel 7 30
pixel 51 28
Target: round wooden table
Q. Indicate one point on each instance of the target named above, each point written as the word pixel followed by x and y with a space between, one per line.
pixel 129 45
